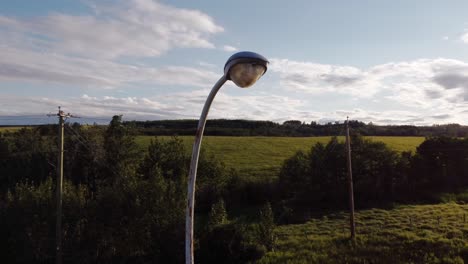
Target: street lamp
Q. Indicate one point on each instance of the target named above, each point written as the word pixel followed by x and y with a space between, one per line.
pixel 244 69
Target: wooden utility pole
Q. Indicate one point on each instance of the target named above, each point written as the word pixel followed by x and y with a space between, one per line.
pixel 58 224
pixel 350 183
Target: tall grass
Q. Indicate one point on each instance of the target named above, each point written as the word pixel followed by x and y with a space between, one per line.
pixel 406 234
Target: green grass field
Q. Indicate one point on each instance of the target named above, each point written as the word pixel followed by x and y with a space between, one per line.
pixel 406 234
pixel 260 158
pixel 10 128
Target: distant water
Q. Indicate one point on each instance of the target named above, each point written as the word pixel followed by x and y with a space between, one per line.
pixel 44 120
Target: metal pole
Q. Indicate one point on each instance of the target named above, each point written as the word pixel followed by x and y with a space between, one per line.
pixel 350 184
pixel 58 226
pixel 189 258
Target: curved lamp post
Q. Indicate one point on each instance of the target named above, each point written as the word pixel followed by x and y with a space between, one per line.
pixel 244 69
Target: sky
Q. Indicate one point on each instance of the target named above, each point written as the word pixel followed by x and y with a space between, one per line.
pixel 386 62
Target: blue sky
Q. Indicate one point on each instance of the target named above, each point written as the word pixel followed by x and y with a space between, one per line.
pixel 387 62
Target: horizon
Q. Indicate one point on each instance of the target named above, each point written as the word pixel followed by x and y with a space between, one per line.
pixel 12 121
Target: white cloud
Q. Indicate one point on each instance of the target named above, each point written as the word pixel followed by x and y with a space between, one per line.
pixel 464 37
pixel 188 105
pixel 138 28
pixel 88 106
pixel 175 105
pixel 422 82
pixel 312 77
pixel 206 64
pixel 229 48
pixel 49 67
pixel 445 38
pixel 430 90
pixel 84 49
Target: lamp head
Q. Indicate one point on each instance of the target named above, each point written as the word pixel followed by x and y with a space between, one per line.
pixel 245 68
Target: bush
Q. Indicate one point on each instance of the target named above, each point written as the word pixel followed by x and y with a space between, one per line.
pixel 266 228
pixel 229 243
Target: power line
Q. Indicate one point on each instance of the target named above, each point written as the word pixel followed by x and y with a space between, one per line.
pixel 79 138
pixel 83 141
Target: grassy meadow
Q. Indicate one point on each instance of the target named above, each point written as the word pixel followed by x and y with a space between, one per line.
pixel 11 128
pixel 405 234
pixel 260 158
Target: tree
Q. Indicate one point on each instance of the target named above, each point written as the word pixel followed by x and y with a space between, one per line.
pixel 266 227
pixel 318 177
pixel 212 180
pixel 26 156
pixel 121 155
pixel 84 155
pixel 440 164
pixel 292 123
pixel 218 215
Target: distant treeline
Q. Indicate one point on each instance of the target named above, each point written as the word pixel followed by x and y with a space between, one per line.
pixel 292 128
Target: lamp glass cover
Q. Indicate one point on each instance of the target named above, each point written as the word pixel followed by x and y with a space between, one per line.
pixel 246 74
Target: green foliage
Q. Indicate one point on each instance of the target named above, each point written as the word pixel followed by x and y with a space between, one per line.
pixel 266 227
pixel 459 197
pixel 319 177
pixel 117 206
pixel 84 155
pixel 28 221
pixel 233 242
pixel 25 156
pixel 440 165
pixel 218 215
pixel 212 180
pixel 121 155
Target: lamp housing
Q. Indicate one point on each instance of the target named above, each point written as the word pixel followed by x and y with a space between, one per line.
pixel 245 68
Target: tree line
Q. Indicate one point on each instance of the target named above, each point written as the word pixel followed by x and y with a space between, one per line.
pixel 292 128
pixel 316 180
pixel 122 204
